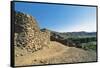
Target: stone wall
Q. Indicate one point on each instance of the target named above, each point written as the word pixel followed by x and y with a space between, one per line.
pixel 27 33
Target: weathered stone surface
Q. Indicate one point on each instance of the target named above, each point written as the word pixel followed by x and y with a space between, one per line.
pixel 27 33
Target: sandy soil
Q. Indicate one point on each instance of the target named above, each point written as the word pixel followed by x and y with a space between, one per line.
pixel 55 53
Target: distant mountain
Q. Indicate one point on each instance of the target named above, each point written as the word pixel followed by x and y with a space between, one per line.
pixel 81 33
pixel 65 35
pixel 75 34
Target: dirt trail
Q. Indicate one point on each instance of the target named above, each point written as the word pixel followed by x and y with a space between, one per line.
pixel 56 53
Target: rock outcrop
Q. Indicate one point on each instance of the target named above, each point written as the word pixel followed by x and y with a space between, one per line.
pixel 28 34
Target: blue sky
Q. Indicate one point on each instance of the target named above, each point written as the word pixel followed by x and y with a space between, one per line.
pixel 61 18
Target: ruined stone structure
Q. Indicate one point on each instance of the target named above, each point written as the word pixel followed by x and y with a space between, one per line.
pixel 28 35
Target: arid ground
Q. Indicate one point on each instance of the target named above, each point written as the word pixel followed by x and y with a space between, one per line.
pixel 55 53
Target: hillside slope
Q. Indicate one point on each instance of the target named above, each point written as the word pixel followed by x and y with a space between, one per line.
pixel 56 53
pixel 33 46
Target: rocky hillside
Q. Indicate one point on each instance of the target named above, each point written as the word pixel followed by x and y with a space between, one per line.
pixel 28 34
pixel 34 46
pixel 84 40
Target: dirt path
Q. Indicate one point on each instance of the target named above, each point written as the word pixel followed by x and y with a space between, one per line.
pixel 56 53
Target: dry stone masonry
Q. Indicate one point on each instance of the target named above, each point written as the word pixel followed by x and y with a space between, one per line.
pixel 28 35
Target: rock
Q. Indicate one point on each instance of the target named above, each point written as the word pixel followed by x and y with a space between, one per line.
pixel 28 34
pixel 21 54
pixel 17 55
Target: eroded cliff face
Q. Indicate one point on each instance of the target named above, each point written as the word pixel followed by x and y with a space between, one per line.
pixel 28 34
